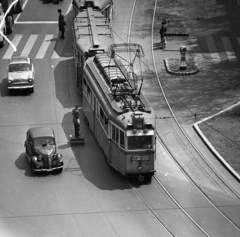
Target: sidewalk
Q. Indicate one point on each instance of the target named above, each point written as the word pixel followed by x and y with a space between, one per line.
pixel 120 26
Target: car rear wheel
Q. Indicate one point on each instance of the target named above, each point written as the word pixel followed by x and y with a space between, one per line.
pixel 9 25
pixel 18 7
pixel 2 43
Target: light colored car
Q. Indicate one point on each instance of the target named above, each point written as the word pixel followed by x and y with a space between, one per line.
pixel 21 73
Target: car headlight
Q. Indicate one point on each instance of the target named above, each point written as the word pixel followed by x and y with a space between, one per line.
pixel 59 156
pixel 9 82
pixel 30 80
pixel 39 158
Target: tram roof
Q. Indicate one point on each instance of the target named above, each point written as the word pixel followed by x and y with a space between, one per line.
pixel 96 4
pixel 92 32
pixel 112 75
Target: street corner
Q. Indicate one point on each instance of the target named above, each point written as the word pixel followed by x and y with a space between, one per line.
pixel 174 66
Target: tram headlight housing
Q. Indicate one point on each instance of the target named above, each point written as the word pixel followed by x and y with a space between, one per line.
pixel 139 168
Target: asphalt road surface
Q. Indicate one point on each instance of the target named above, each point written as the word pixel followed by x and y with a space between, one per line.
pixel 89 198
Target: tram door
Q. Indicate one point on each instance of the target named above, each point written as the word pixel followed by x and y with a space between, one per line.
pixel 114 149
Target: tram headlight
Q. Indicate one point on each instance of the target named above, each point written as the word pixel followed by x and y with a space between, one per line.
pixel 139 168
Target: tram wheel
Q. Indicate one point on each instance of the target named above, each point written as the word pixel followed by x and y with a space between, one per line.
pixel 148 178
pixel 141 178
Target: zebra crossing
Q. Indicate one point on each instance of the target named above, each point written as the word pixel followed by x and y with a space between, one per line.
pixel 47 46
pixel 36 46
pixel 218 49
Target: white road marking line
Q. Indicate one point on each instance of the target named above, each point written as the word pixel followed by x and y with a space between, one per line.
pixel 44 46
pixel 16 39
pixel 212 49
pixel 36 22
pixel 24 4
pixel 229 50
pixel 29 44
pixel 55 55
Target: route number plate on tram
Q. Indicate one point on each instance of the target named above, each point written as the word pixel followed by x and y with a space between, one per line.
pixel 137 158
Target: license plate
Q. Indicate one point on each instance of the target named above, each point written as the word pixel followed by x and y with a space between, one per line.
pixel 48 170
pixel 134 158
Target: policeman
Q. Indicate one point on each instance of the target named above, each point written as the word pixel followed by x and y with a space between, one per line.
pixel 76 121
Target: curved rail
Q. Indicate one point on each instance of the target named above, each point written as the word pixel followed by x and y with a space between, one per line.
pixel 192 144
pixel 172 156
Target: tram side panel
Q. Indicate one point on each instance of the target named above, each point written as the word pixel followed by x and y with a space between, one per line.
pixel 95 117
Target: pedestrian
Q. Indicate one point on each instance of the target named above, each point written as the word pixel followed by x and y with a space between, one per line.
pixel 76 121
pixel 61 24
pixel 163 32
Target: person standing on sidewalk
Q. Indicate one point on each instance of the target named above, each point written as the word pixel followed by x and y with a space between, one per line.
pixel 163 32
pixel 61 23
pixel 76 121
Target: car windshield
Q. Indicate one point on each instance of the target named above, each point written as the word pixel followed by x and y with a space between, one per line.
pixel 139 142
pixel 20 67
pixel 43 141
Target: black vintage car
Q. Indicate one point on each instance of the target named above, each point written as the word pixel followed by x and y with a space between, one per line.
pixel 41 150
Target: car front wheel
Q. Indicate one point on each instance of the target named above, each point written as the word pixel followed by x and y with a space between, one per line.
pixel 59 171
pixel 33 168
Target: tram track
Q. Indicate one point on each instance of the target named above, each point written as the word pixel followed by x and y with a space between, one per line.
pixel 174 133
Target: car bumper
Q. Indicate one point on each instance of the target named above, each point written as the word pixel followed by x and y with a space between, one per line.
pixel 18 87
pixel 48 170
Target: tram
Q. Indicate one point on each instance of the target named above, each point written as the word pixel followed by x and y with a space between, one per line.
pixel 91 33
pixel 104 6
pixel 119 116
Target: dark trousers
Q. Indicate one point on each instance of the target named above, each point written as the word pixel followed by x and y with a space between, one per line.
pixel 77 129
pixel 62 30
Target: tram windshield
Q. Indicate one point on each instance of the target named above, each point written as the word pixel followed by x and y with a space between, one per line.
pixel 140 142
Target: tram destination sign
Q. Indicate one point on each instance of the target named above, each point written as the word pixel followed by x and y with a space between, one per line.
pixel 137 158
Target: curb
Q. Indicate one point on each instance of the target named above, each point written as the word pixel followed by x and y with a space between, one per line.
pixel 214 151
pixel 177 34
pixel 178 72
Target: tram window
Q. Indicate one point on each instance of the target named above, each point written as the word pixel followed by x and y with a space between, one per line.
pixel 113 132
pixel 97 109
pixel 106 124
pixel 101 116
pixel 122 139
pixel 117 135
pixel 89 93
pixel 139 142
pixel 82 61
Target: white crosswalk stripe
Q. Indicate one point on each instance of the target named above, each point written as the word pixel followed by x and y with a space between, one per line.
pixel 16 39
pixel 212 49
pixel 229 50
pixel 28 46
pixel 43 49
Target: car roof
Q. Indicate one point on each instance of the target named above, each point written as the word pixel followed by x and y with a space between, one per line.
pixel 41 132
pixel 20 59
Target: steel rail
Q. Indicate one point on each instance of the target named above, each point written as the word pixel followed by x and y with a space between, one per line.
pixel 189 140
pixel 157 219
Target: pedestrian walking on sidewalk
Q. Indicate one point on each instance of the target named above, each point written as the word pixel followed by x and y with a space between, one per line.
pixel 61 24
pixel 163 33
